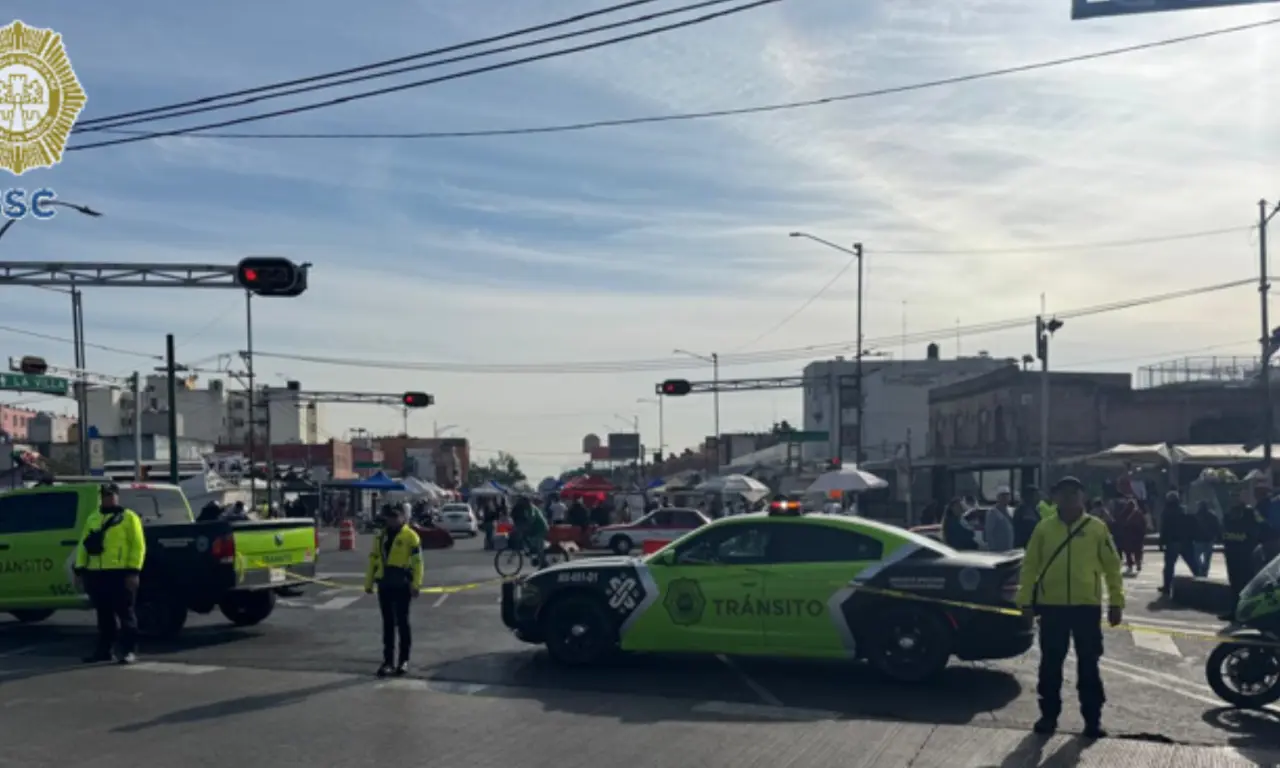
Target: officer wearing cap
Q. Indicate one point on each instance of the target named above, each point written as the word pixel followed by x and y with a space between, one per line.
pixel 1068 558
pixel 109 561
pixel 395 567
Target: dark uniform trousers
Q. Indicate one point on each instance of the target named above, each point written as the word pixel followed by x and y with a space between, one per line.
pixel 1059 625
pixel 113 601
pixel 1241 565
pixel 394 603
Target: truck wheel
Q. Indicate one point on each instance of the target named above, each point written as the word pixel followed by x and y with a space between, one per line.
pixel 31 616
pixel 909 644
pixel 620 545
pixel 578 631
pixel 248 608
pixel 160 616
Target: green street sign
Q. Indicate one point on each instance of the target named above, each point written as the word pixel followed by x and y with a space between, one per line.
pixel 807 437
pixel 22 382
pixel 368 465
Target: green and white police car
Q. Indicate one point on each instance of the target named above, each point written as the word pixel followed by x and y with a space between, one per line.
pixel 785 585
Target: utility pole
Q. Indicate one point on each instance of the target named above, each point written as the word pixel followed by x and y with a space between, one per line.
pixel 171 371
pixel 1268 348
pixel 82 417
pixel 1044 332
pixel 252 421
pixel 715 376
pixel 266 436
pixel 135 384
pixel 857 456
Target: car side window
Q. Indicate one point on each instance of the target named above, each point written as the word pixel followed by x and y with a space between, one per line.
pixel 37 512
pixel 686 520
pixel 156 506
pixel 823 544
pixel 730 545
pixel 661 519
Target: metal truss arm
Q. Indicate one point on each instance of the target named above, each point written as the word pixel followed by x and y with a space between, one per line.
pixel 119 275
pixel 354 398
pixel 745 385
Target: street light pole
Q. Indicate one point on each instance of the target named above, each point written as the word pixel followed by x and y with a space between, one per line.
pixel 714 359
pixel 1264 288
pixel 662 439
pixel 857 455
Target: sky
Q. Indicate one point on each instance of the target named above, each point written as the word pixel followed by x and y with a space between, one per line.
pixel 623 244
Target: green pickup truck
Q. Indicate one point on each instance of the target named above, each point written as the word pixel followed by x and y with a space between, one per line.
pixel 235 566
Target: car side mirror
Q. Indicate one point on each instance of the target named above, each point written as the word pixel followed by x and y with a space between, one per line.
pixel 665 558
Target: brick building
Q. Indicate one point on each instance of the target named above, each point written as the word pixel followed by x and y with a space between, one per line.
pixel 444 461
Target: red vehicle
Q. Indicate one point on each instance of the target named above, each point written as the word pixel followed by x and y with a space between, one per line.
pixel 660 525
pixel 431 536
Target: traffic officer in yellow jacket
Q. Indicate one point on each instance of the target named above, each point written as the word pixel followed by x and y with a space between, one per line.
pixel 109 561
pixel 1067 560
pixel 395 566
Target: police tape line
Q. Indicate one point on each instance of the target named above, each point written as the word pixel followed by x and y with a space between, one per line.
pixel 444 590
pixel 1014 612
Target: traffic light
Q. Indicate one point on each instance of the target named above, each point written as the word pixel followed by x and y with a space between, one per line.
pixel 675 387
pixel 417 400
pixel 271 276
pixel 33 366
pixel 834 464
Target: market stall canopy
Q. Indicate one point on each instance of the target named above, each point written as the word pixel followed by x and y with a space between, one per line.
pixel 747 487
pixel 1122 454
pixel 548 485
pixel 1214 454
pixel 589 484
pixel 378 481
pixel 489 488
pixel 847 479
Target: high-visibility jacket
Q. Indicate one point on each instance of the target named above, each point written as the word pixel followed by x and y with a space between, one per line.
pixel 1075 576
pixel 1047 510
pixel 123 546
pixel 396 562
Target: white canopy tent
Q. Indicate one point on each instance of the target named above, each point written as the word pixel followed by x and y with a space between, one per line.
pixel 741 485
pixel 847 479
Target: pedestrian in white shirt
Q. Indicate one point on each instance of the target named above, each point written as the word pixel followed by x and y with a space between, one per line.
pixel 997 530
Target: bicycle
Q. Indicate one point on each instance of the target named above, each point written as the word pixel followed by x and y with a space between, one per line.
pixel 509 561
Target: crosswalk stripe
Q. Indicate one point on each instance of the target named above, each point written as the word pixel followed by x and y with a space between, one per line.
pixel 1156 642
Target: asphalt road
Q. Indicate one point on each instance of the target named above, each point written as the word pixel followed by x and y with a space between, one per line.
pixel 323 646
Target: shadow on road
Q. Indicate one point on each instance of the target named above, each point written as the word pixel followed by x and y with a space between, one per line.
pixel 241 706
pixel 809 690
pixel 1255 734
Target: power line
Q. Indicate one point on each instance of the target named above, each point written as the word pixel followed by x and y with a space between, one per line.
pixel 434 80
pixel 104 348
pixel 677 116
pixel 85 125
pixel 807 303
pixel 749 358
pixel 1084 246
pixel 105 123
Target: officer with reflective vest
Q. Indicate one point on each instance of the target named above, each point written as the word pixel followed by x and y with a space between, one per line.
pixel 395 566
pixel 1242 530
pixel 1067 560
pixel 109 561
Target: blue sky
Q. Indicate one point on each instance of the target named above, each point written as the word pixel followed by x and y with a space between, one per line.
pixel 624 243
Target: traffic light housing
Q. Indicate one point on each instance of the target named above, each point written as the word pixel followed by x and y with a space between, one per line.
pixel 675 388
pixel 417 400
pixel 271 276
pixel 834 464
pixel 33 366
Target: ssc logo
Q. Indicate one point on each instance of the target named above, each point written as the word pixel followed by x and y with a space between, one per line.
pixel 40 98
pixel 684 602
pixel 969 579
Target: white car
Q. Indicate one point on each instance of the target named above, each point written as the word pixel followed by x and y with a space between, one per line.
pixel 459 519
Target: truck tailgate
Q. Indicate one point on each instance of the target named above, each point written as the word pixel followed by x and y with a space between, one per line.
pixel 274 552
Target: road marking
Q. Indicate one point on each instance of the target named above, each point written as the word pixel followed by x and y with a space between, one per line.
pixel 440 600
pixel 1144 677
pixel 171 668
pixel 764 693
pixel 330 592
pixel 329 576
pixel 458 689
pixel 19 651
pixel 404 685
pixel 338 603
pixel 1198 625
pixel 1156 642
pixel 739 709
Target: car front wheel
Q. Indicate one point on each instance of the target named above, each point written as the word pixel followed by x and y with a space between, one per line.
pixel 621 545
pixel 578 631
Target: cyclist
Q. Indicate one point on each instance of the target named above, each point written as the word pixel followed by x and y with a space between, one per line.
pixel 530 529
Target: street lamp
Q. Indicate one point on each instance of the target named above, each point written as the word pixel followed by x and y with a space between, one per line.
pixel 1044 332
pixel 856 253
pixel 714 359
pixel 1268 348
pixel 662 440
pixel 77 333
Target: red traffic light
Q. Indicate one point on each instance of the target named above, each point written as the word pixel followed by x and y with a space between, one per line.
pixel 33 366
pixel 675 387
pixel 250 275
pixel 417 400
pixel 271 276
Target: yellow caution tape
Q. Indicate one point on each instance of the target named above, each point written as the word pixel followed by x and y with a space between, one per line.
pixel 1015 612
pixel 443 590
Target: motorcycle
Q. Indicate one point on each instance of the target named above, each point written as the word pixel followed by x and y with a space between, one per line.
pixel 1245 670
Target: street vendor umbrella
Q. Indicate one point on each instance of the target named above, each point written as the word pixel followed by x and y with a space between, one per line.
pixel 747 487
pixel 489 488
pixel 847 479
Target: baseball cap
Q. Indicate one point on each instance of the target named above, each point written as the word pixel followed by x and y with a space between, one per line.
pixel 107 488
pixel 1069 482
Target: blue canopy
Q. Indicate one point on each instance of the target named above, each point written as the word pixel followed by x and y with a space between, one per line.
pixel 378 481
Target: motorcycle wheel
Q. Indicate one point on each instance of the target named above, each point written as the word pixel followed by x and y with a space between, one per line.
pixel 1260 668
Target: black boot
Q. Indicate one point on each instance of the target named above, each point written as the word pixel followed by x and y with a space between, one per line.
pixel 1093 730
pixel 386 669
pixel 1046 725
pixel 402 668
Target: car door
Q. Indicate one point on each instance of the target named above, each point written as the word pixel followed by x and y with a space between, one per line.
pixel 711 591
pixel 39 533
pixel 807 578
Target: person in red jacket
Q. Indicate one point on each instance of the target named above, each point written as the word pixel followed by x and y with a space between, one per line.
pixel 1131 534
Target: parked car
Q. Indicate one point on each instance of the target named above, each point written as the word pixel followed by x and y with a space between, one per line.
pixel 666 524
pixel 459 519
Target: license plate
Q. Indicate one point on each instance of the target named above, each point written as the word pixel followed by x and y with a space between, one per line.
pixel 277 575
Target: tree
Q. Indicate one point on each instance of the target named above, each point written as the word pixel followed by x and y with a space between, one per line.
pixel 502 469
pixel 782 428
